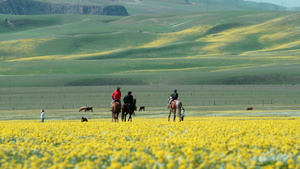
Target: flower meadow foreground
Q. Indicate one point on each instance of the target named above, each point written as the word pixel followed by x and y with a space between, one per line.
pixel 219 142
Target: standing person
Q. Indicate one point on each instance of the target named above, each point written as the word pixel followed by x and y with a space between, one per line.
pixel 116 96
pixel 42 116
pixel 174 96
pixel 182 113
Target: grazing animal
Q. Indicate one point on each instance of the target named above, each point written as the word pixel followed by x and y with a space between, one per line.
pixel 86 109
pixel 9 23
pixel 249 108
pixel 175 106
pixel 128 109
pixel 83 119
pixel 142 108
pixel 115 110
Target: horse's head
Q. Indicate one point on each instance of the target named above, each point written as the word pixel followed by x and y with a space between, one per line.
pixel 169 98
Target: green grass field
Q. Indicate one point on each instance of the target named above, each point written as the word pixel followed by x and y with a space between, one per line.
pixel 61 103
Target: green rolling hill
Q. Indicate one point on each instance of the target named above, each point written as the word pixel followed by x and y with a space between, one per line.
pixel 229 47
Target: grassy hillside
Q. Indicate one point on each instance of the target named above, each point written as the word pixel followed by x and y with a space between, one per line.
pixel 180 48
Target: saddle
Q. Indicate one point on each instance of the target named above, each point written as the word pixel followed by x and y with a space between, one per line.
pixel 128 108
pixel 172 105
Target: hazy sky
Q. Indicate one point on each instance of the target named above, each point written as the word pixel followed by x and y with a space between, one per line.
pixel 286 3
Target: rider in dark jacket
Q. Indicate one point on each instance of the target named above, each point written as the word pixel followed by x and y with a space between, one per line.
pixel 174 97
pixel 128 99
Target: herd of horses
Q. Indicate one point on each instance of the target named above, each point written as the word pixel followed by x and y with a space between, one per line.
pixel 128 109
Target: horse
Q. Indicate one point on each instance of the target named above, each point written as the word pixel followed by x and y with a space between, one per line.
pixel 249 108
pixel 86 109
pixel 115 110
pixel 175 106
pixel 128 109
pixel 142 108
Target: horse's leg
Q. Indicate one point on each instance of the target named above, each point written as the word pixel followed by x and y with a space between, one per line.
pixel 130 117
pixel 116 115
pixel 179 111
pixel 123 114
pixel 179 114
pixel 169 114
pixel 174 114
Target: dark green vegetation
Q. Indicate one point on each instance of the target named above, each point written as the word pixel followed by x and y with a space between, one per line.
pixel 19 103
pixel 31 7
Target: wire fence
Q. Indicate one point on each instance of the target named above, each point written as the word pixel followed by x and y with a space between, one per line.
pixel 149 96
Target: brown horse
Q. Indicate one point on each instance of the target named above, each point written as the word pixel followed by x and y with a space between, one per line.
pixel 86 109
pixel 175 106
pixel 115 110
pixel 128 109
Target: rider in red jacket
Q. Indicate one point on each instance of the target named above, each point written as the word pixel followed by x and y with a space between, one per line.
pixel 116 96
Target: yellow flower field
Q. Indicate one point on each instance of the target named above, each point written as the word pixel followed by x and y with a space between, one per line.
pixel 213 142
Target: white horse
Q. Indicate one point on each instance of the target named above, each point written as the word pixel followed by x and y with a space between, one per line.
pixel 175 106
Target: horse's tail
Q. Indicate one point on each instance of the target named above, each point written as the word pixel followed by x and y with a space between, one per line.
pixel 115 114
pixel 178 107
pixel 178 104
pixel 117 109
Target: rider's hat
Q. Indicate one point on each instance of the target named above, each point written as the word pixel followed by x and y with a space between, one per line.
pixel 118 87
pixel 175 90
pixel 129 92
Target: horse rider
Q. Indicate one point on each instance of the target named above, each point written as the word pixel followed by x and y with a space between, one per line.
pixel 116 96
pixel 174 96
pixel 128 99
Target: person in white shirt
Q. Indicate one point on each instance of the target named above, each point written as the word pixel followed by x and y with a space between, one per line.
pixel 182 113
pixel 42 116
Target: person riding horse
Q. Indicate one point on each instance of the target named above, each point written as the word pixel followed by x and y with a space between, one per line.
pixel 129 106
pixel 115 105
pixel 116 96
pixel 174 105
pixel 128 100
pixel 174 96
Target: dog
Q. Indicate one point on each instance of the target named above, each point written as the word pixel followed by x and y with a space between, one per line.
pixel 142 108
pixel 83 119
